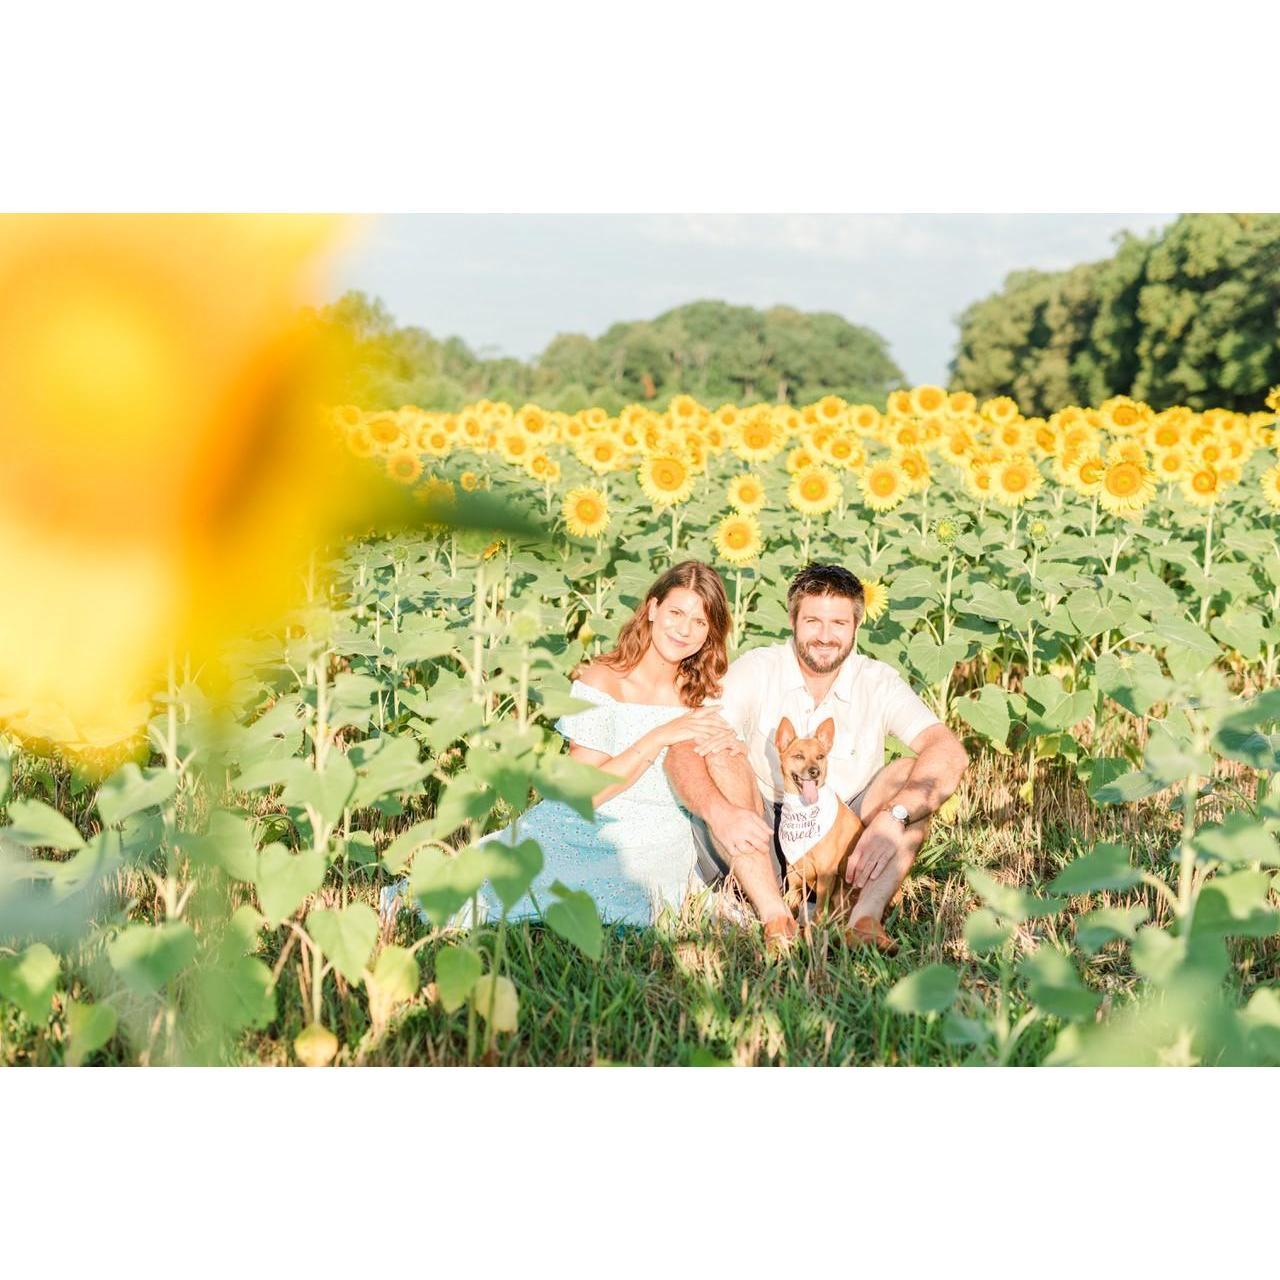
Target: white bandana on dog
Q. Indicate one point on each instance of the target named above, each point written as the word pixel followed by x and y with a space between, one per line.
pixel 802 825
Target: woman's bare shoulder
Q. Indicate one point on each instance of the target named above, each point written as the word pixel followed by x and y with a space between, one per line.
pixel 596 675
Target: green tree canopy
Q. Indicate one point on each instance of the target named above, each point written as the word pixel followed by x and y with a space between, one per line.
pixel 711 350
pixel 1189 316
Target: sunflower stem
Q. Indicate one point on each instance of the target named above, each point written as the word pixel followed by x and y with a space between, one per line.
pixel 1208 562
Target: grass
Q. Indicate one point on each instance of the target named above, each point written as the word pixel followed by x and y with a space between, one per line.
pixel 699 991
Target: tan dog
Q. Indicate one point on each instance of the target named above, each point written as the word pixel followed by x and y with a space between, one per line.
pixel 804 776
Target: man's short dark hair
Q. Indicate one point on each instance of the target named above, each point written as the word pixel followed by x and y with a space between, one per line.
pixel 825 580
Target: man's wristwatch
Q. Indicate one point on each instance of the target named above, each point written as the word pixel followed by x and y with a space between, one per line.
pixel 900 813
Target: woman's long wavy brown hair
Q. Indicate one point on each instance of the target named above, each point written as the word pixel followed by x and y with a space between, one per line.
pixel 700 673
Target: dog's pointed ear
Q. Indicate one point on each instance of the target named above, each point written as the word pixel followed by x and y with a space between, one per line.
pixel 784 736
pixel 826 733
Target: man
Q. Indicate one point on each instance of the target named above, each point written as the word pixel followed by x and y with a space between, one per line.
pixel 812 676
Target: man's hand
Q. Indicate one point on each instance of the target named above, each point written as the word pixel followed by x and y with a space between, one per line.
pixel 876 849
pixel 741 831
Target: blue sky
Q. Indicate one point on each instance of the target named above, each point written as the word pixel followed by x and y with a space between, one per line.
pixel 508 283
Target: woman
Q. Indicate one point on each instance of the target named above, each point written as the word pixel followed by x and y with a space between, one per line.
pixel 649 692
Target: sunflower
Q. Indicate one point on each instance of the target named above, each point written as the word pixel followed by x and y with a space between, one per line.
pixel 999 410
pixel 1166 432
pixel 1016 480
pixel 1124 416
pixel 1044 437
pixel 842 449
pixel 515 445
pixel 801 457
pixel 758 438
pixel 883 485
pixel 1202 485
pixel 539 466
pixel 1127 449
pixel 434 439
pixel 728 416
pixel 666 479
pixel 684 409
pixel 1127 486
pixel 746 493
pixel 532 420
pixel 875 599
pixel 469 481
pixel 385 431
pixel 1273 399
pixel 1013 435
pixel 915 467
pixel 1170 465
pixel 898 404
pixel 962 403
pixel 1086 473
pixel 600 452
pixel 957 444
pixel 865 419
pixel 586 513
pixel 980 481
pixel 738 539
pixel 1271 485
pixel 926 400
pixel 359 441
pixel 814 490
pixel 404 467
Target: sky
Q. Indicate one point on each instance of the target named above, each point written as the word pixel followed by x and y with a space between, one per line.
pixel 509 283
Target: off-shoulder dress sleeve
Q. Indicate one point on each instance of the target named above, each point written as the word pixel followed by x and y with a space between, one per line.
pixel 592 728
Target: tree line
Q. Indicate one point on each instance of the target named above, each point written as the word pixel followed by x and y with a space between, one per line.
pixel 1189 315
pixel 717 352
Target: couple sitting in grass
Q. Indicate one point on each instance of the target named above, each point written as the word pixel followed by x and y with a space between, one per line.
pixel 691 742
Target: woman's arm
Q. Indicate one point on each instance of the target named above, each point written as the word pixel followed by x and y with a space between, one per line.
pixel 628 765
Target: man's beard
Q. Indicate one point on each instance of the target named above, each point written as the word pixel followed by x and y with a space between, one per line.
pixel 823 666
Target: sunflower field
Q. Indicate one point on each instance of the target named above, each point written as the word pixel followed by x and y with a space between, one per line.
pixel 1091 600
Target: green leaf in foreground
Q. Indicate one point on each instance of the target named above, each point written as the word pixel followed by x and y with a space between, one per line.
pixel 458 969
pixel 1055 987
pixel 240 993
pixel 928 990
pixel 148 956
pixel 1008 900
pixel 130 790
pixel 346 936
pixel 30 979
pixel 284 880
pixel 1236 906
pixel 1106 866
pixel 394 980
pixel 38 826
pixel 1095 929
pixel 985 932
pixel 89 1027
pixel 987 713
pixel 575 919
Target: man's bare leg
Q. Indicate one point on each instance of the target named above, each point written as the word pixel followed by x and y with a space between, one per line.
pixel 732 776
pixel 876 894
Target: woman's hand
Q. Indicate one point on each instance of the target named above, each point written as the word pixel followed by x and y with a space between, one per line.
pixel 703 727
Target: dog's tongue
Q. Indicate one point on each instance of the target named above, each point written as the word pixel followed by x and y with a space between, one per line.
pixel 809 791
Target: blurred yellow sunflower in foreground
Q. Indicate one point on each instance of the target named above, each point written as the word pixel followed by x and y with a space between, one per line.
pixel 738 539
pixel 586 513
pixel 746 493
pixel 875 596
pixel 666 479
pixel 164 477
